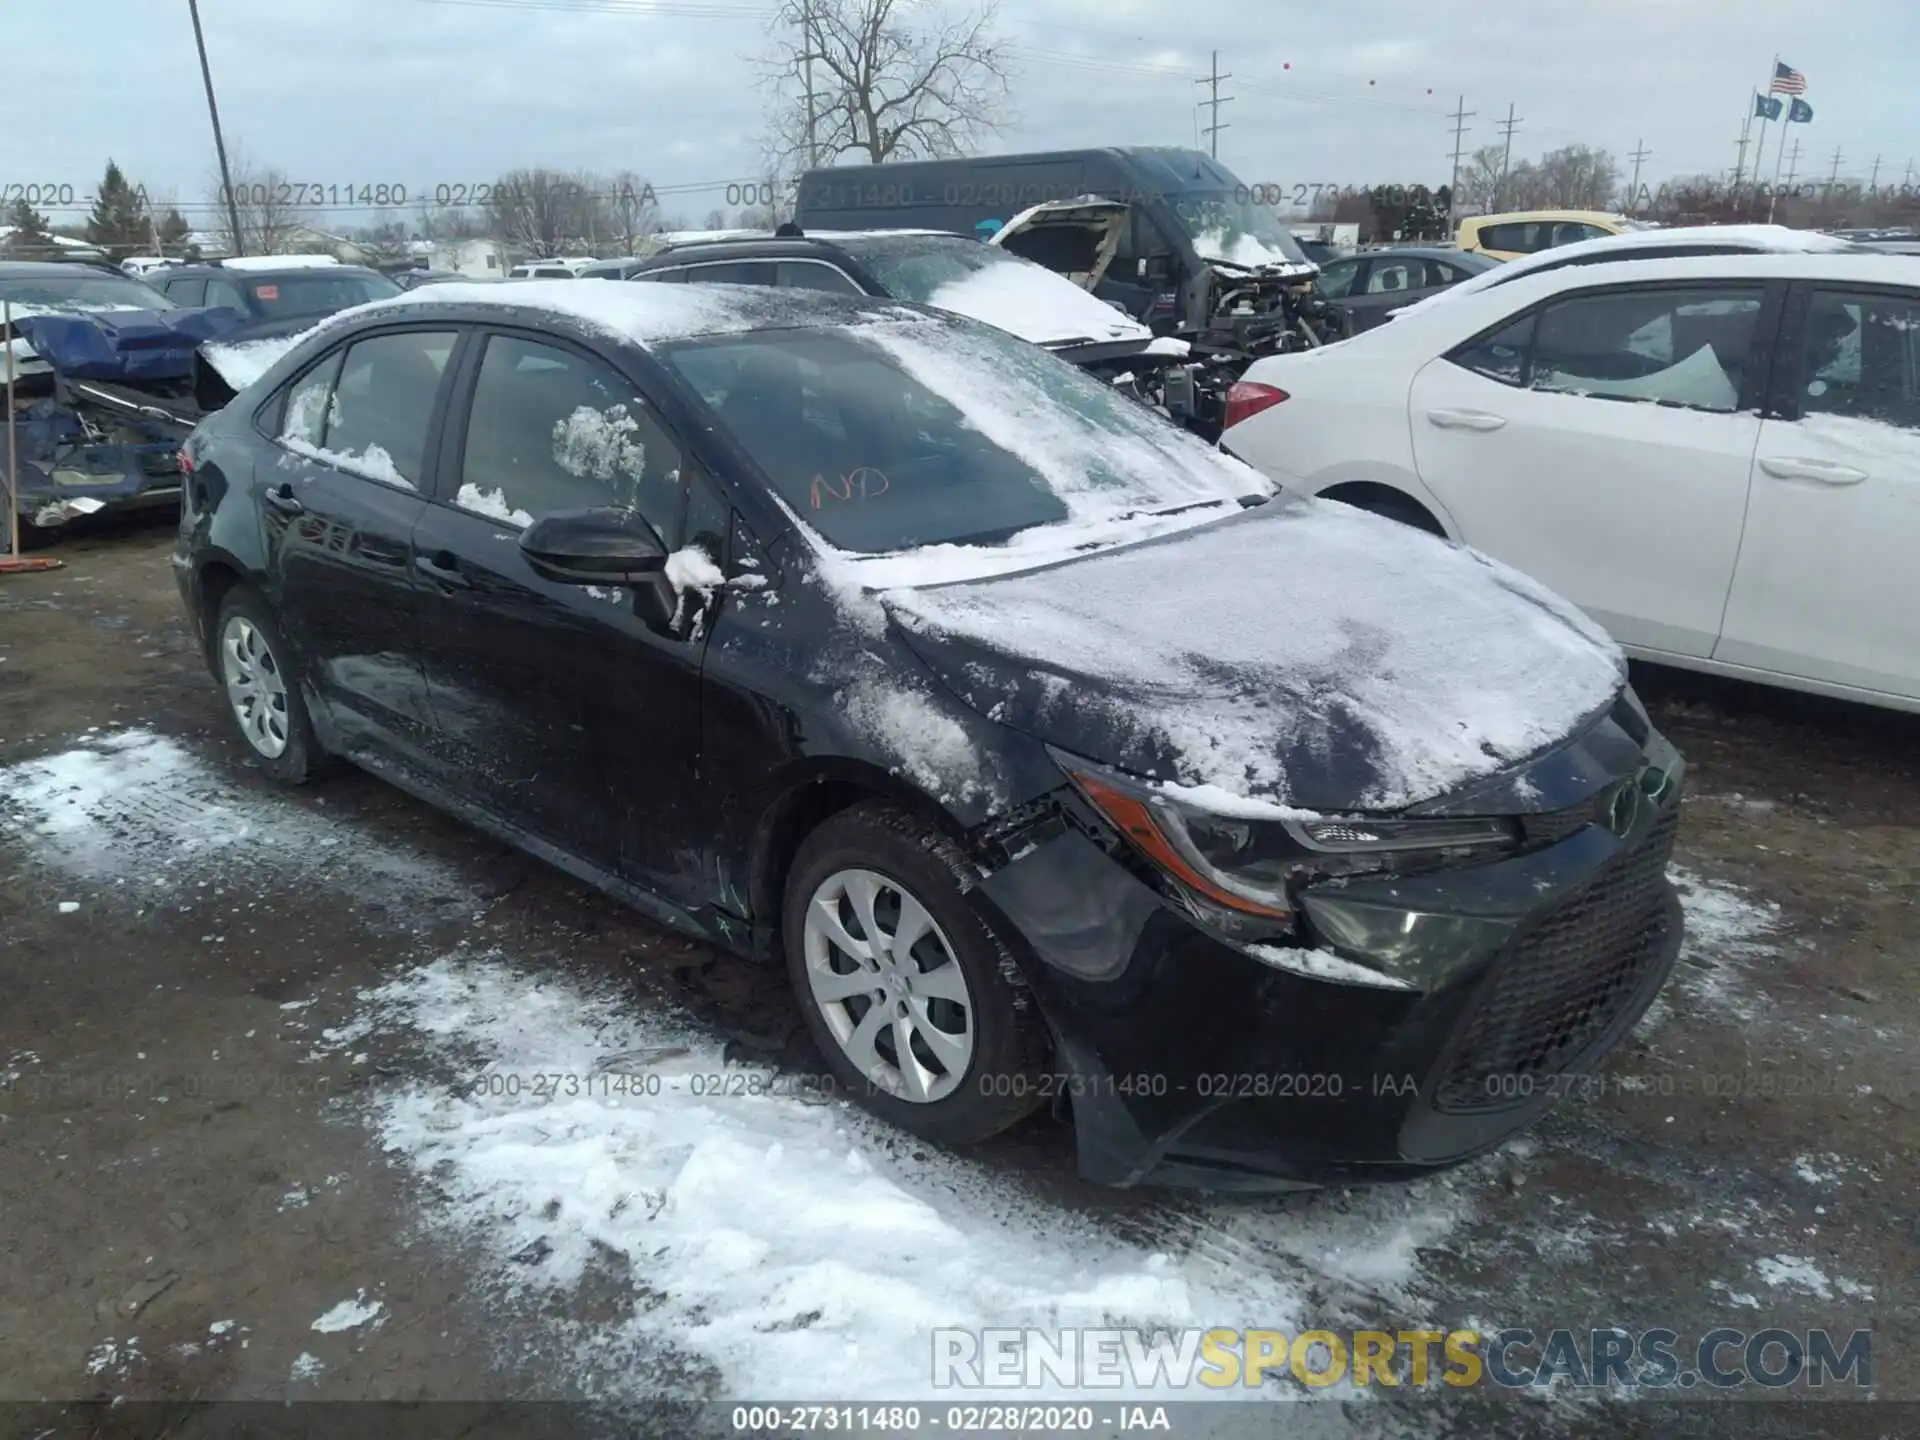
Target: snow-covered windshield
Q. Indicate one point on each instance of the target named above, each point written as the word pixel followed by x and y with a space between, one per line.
pixel 84 289
pixel 891 436
pixel 316 293
pixel 991 284
pixel 1236 228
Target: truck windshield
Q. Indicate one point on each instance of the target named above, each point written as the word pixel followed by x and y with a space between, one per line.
pixel 83 290
pixel 1236 229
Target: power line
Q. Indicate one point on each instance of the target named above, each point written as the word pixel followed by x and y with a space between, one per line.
pixel 1213 130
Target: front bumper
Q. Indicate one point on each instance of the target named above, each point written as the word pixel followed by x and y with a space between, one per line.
pixel 1186 1060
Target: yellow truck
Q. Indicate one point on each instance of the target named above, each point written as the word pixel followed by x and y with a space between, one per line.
pixel 1527 232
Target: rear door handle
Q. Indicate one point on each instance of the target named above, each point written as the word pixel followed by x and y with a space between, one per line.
pixel 283 500
pixel 1786 467
pixel 1465 419
pixel 442 569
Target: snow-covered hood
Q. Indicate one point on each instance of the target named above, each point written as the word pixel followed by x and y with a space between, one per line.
pixel 26 360
pixel 1304 655
pixel 1249 252
pixel 243 360
pixel 1031 301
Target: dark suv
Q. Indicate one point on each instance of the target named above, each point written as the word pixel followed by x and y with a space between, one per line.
pixel 278 300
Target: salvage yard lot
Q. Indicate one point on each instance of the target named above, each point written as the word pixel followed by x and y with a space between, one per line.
pixel 273 1123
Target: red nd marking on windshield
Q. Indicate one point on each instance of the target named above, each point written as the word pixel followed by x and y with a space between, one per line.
pixel 863 483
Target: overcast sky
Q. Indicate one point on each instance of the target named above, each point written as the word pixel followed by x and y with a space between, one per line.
pixel 430 93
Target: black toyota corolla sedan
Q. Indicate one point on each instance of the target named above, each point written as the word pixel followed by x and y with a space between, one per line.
pixel 1056 755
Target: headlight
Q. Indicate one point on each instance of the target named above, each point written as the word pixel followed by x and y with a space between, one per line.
pixel 1253 866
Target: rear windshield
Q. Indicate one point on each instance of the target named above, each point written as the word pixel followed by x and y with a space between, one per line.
pixel 913 268
pixel 83 288
pixel 316 292
pixel 889 436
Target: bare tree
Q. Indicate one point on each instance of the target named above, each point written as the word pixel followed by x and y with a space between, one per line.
pixel 386 240
pixel 268 204
pixel 892 80
pixel 541 212
pixel 1575 177
pixel 716 219
pixel 1479 188
pixel 632 211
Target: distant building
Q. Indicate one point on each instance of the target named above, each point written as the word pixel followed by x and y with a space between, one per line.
pixel 481 259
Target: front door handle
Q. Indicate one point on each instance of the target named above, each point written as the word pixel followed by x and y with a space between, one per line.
pixel 282 499
pixel 1465 419
pixel 442 569
pixel 1787 467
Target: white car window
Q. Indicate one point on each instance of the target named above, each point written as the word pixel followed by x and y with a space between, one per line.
pixel 1671 346
pixel 1863 358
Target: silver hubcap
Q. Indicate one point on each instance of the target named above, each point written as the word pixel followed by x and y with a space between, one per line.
pixel 255 687
pixel 889 986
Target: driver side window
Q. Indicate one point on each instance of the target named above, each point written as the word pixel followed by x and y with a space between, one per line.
pixel 552 430
pixel 1336 280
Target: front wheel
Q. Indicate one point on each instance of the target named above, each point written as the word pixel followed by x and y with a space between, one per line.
pixel 917 1007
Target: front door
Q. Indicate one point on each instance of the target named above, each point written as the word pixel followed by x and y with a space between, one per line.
pixel 1601 442
pixel 571 712
pixel 1828 585
pixel 339 507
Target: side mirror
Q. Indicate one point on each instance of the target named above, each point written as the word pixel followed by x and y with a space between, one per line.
pixel 602 546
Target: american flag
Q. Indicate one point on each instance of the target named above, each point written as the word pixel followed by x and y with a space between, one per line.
pixel 1787 81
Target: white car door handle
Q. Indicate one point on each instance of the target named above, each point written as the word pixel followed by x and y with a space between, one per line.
pixel 1465 419
pixel 1825 471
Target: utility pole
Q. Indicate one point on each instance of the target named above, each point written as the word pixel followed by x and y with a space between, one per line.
pixel 1460 117
pixel 1213 105
pixel 1873 181
pixel 219 145
pixel 806 60
pixel 1833 177
pixel 1740 164
pixel 1508 125
pixel 1640 152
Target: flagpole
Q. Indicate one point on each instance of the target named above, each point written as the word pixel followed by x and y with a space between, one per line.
pixel 1760 155
pixel 1780 154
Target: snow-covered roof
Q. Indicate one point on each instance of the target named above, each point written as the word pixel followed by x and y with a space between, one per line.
pixel 65 242
pixel 1760 239
pixel 278 262
pixel 1459 312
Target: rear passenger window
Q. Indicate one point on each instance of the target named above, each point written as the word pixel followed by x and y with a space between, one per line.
pixel 1862 358
pixel 378 417
pixel 733 272
pixel 551 431
pixel 811 275
pixel 187 292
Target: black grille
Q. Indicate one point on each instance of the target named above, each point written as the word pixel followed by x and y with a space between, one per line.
pixel 1564 982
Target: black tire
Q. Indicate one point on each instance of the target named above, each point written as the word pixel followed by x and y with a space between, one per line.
pixel 302 759
pixel 1003 1080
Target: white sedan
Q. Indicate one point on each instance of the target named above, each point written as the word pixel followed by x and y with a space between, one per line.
pixel 1717 457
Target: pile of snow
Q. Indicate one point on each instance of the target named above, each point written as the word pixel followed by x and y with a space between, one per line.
pixel 491 503
pixel 1032 302
pixel 373 462
pixel 795 1244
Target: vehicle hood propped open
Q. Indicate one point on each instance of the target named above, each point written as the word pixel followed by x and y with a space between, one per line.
pixel 1303 655
pixel 1074 238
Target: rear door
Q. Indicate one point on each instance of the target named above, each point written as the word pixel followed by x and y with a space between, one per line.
pixel 355 432
pixel 1828 584
pixel 570 712
pixel 1602 441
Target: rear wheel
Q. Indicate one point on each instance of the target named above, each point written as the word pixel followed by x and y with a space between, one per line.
pixel 261 692
pixel 915 1004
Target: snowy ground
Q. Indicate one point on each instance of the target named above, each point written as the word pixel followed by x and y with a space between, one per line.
pixel 485 1133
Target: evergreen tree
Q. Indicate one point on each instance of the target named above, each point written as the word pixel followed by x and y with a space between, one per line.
pixel 174 231
pixel 30 238
pixel 118 224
